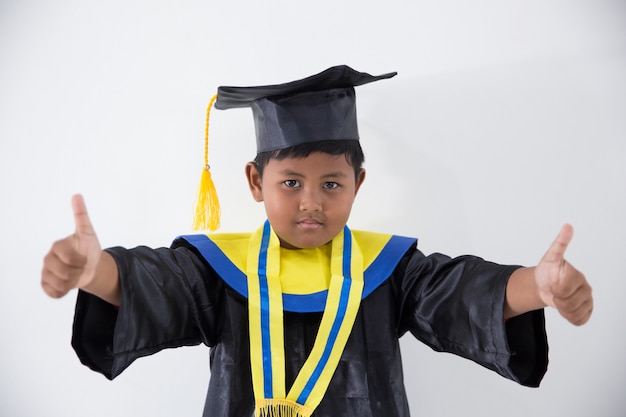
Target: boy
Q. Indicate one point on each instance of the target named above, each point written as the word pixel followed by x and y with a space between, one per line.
pixel 303 316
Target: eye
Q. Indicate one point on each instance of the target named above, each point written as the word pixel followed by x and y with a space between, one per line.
pixel 292 183
pixel 331 185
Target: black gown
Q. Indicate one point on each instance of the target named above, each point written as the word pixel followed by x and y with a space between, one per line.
pixel 174 297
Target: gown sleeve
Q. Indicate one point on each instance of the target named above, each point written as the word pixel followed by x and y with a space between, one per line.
pixel 457 306
pixel 169 298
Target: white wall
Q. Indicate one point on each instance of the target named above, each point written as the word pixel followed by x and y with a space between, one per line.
pixel 506 120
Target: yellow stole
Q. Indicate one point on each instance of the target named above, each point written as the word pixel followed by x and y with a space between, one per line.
pixel 265 310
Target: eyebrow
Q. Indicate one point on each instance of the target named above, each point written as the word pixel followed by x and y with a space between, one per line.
pixel 291 173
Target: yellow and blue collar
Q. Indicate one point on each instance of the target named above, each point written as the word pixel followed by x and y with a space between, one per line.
pixel 307 291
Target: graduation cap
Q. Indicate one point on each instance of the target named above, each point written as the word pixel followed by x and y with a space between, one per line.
pixel 315 108
pixel 319 107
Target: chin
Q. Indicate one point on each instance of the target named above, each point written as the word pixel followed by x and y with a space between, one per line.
pixel 303 243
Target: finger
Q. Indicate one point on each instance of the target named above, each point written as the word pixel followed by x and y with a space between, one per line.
pixel 570 281
pixel 65 266
pixel 81 218
pixel 52 292
pixel 52 286
pixel 575 300
pixel 56 284
pixel 66 252
pixel 556 251
pixel 581 315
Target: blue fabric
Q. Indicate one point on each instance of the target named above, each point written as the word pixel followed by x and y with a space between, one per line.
pixel 378 271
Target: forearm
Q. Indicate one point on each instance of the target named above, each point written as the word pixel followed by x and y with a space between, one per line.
pixel 522 294
pixel 105 283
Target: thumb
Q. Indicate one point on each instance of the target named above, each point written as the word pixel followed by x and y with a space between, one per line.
pixel 556 251
pixel 81 218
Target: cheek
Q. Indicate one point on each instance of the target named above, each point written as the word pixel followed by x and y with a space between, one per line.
pixel 275 203
pixel 338 212
pixel 345 204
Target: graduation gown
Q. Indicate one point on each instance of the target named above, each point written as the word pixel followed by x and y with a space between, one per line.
pixel 192 293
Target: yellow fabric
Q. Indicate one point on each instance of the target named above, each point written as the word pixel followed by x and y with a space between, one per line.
pixel 265 310
pixel 294 261
pixel 305 271
pixel 276 317
pixel 330 312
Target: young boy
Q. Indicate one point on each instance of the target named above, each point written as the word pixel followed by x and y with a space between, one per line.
pixel 303 316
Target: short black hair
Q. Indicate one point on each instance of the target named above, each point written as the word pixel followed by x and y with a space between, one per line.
pixel 350 148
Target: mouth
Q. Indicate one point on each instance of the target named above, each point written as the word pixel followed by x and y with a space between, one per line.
pixel 309 224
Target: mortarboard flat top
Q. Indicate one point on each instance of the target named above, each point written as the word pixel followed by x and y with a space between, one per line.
pixel 319 107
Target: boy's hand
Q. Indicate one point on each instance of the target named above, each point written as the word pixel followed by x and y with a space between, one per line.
pixel 561 285
pixel 71 262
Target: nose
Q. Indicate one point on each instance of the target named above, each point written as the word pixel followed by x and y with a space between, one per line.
pixel 311 200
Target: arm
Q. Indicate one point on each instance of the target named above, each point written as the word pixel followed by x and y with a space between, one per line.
pixel 553 282
pixel 78 262
pixel 456 306
pixel 169 298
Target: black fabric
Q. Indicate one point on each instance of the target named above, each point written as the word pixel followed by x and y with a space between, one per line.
pixel 303 118
pixel 173 298
pixel 94 328
pixel 340 76
pixel 529 355
pixel 319 107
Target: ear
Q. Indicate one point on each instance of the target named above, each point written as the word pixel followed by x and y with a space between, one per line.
pixel 254 181
pixel 359 180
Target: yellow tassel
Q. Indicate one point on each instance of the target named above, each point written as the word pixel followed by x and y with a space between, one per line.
pixel 207 205
pixel 207 210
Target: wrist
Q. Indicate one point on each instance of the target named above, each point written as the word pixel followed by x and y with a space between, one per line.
pixel 522 293
pixel 103 282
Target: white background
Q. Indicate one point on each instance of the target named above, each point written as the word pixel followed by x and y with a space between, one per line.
pixel 507 119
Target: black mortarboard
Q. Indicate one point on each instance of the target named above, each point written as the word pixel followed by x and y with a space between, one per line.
pixel 319 107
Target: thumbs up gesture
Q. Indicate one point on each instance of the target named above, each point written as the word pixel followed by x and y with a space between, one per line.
pixel 562 286
pixel 72 262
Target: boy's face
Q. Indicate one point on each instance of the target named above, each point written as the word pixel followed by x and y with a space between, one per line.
pixel 307 200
